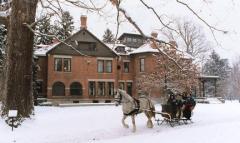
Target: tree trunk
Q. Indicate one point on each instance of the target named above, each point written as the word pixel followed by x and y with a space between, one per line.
pixel 18 81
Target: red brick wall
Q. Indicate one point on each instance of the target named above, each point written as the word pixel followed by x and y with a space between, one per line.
pixel 83 69
pixel 150 64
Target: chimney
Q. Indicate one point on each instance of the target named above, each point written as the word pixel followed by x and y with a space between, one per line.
pixel 154 34
pixel 173 44
pixel 83 20
pixel 154 43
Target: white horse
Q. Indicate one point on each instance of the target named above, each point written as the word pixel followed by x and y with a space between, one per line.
pixel 132 107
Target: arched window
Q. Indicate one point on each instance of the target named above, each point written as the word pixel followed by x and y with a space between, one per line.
pixel 76 88
pixel 58 89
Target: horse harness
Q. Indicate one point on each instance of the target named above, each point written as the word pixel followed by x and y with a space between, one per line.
pixel 136 109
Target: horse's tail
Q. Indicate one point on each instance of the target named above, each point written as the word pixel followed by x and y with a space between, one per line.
pixel 152 112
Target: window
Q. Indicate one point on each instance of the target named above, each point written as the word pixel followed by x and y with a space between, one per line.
pixel 101 88
pixel 126 67
pixel 92 47
pixel 142 65
pixel 58 64
pixel 125 40
pixel 129 39
pixel 91 88
pixel 110 88
pixel 104 66
pixel 139 41
pixel 76 88
pixel 134 40
pixel 129 88
pixel 86 46
pixel 66 65
pixel 121 85
pixel 100 66
pixel 58 89
pixel 108 66
pixel 120 49
pixel 62 64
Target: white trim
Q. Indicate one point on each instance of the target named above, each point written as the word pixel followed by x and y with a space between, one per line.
pixel 121 80
pixel 61 56
pixel 49 88
pixel 126 60
pixel 104 58
pixel 129 80
pixel 142 57
pixel 112 80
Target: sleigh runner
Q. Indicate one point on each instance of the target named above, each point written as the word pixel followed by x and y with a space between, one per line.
pixel 170 119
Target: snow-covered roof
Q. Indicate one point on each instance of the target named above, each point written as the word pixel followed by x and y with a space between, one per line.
pixel 145 48
pixel 41 50
pixel 209 76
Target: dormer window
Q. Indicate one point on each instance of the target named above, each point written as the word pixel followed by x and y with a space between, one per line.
pixel 120 49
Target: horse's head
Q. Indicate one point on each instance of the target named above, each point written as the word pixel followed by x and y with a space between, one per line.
pixel 118 98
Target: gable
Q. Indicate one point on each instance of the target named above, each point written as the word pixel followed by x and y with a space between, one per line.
pixel 83 42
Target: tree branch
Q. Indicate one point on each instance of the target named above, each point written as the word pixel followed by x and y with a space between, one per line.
pixel 158 17
pixel 53 36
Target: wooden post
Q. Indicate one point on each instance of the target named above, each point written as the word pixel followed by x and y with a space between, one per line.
pixel 203 87
pixel 215 89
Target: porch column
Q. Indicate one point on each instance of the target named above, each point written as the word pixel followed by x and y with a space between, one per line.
pixel 215 89
pixel 203 87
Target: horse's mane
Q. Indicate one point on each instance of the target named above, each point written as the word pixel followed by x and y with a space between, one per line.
pixel 124 93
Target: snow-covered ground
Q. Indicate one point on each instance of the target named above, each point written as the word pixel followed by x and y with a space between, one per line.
pixel 213 123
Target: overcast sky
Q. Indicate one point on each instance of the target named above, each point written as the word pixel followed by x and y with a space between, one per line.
pixel 223 14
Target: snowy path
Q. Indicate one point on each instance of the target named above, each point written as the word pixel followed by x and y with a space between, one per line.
pixel 213 123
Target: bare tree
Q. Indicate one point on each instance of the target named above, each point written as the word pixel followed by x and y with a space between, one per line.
pixel 234 80
pixel 20 21
pixel 18 79
pixel 167 73
pixel 19 17
pixel 191 38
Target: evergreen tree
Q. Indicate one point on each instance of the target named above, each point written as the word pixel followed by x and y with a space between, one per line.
pixel 45 27
pixel 3 38
pixel 108 36
pixel 63 28
pixel 35 82
pixel 217 67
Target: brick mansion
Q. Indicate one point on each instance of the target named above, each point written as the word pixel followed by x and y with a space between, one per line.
pixel 88 70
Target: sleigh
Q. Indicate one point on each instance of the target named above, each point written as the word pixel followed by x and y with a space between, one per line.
pixel 174 115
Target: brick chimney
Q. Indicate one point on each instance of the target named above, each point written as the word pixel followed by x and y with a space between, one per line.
pixel 83 20
pixel 173 44
pixel 154 34
pixel 154 43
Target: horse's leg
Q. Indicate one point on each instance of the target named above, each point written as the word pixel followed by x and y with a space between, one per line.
pixel 133 122
pixel 149 122
pixel 124 124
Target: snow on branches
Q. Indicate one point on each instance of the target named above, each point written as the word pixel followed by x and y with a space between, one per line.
pixel 167 74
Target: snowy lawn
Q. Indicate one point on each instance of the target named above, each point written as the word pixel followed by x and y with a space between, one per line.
pixel 213 123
